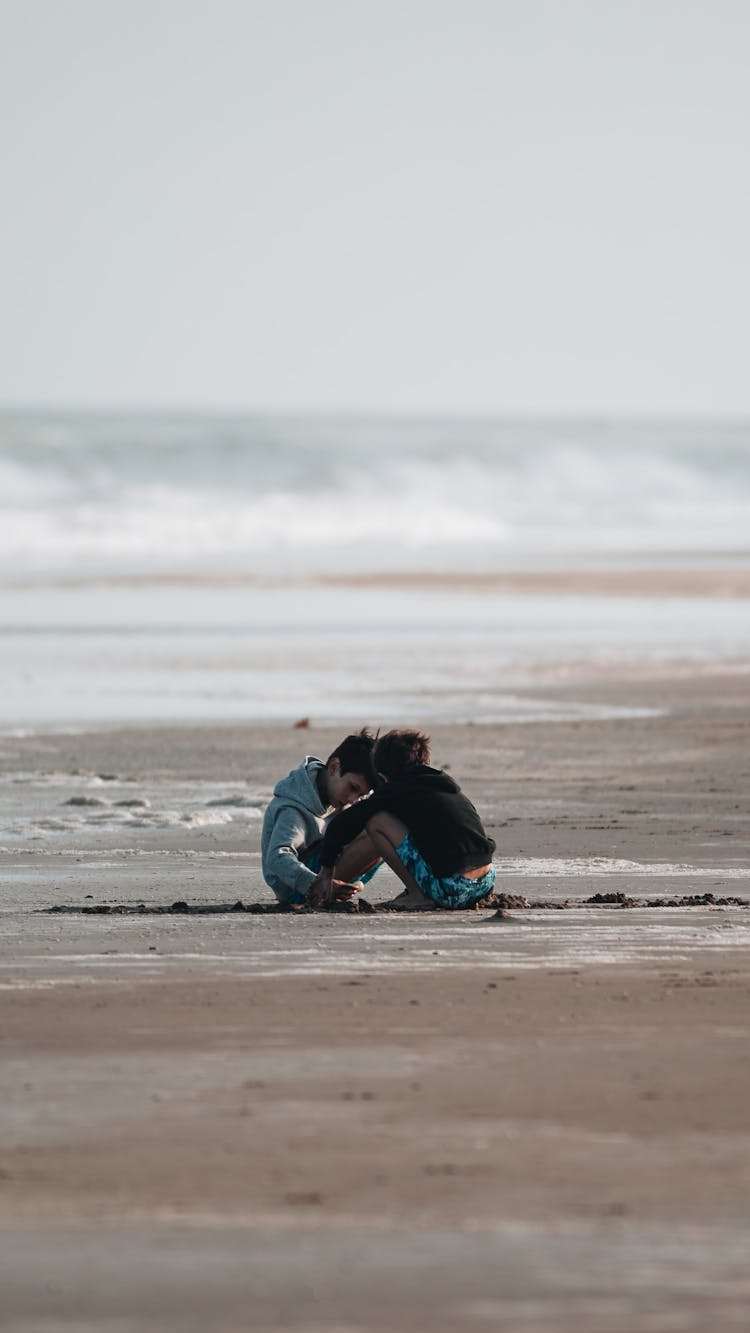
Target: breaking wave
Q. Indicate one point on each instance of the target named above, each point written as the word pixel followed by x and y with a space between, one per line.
pixel 137 492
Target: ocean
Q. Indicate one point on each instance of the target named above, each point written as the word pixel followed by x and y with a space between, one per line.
pixel 159 492
pixel 172 566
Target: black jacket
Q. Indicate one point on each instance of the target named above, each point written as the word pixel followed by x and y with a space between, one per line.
pixel 443 823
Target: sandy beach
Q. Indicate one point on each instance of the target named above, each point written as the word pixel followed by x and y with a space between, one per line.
pixel 370 1121
pixel 374 365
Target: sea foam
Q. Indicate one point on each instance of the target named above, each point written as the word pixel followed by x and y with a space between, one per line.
pixel 136 491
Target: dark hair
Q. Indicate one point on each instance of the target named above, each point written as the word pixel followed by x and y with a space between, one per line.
pixel 355 755
pixel 399 750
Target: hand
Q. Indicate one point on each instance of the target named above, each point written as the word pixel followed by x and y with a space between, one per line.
pixel 341 891
pixel 320 891
pixel 325 889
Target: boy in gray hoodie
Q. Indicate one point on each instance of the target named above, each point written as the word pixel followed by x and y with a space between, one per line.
pixel 303 802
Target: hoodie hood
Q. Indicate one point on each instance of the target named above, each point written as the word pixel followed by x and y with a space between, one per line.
pixel 299 788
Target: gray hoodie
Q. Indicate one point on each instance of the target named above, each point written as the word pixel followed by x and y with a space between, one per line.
pixel 294 822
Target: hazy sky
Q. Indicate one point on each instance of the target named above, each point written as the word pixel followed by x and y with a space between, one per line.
pixel 513 205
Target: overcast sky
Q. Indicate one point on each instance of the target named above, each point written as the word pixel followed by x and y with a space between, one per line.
pixel 482 205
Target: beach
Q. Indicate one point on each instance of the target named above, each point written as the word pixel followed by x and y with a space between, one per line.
pixel 361 1121
pixel 216 1115
pixel 372 368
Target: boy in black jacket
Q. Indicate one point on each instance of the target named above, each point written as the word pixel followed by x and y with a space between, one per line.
pixel 420 823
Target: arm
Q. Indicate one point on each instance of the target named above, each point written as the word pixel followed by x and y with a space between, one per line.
pixel 344 827
pixel 281 859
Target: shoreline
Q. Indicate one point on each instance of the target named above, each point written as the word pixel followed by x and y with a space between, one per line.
pixel 706 579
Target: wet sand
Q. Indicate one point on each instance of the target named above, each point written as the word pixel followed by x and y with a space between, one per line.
pixel 365 1122
pixel 729 578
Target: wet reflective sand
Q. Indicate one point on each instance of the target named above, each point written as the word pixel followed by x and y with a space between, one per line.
pixel 361 1122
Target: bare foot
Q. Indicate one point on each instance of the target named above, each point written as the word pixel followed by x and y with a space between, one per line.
pixel 410 900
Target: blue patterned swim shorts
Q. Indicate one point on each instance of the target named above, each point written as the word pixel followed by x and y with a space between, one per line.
pixel 453 892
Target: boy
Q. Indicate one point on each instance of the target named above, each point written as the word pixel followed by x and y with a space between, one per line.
pixel 296 818
pixel 422 826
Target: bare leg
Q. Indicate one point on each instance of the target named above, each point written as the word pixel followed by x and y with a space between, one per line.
pixel 386 832
pixel 357 857
pixel 340 883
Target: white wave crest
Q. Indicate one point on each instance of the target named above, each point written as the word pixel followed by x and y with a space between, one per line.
pixel 133 491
